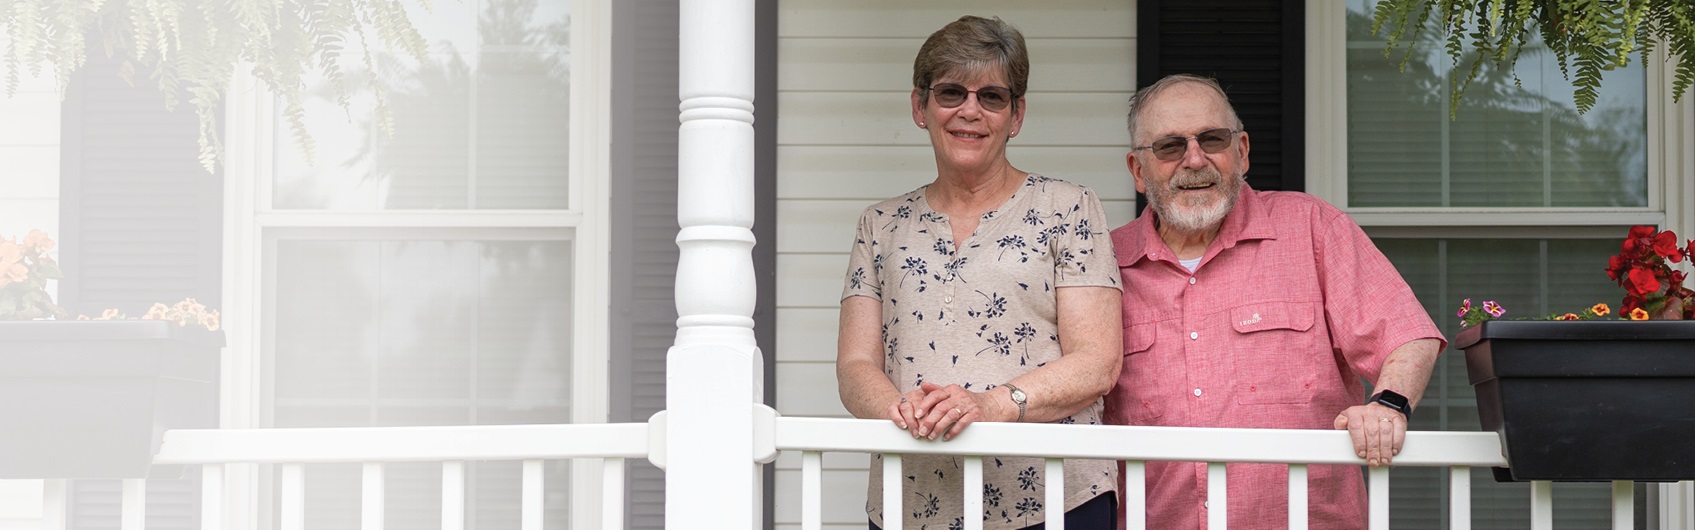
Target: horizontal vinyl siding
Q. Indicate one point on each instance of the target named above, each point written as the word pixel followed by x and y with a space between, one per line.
pixel 846 139
pixel 29 152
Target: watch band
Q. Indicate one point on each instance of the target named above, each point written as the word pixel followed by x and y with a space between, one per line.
pixel 1018 396
pixel 1394 401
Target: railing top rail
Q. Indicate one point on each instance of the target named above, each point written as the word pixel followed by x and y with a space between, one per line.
pixel 404 444
pixel 1422 448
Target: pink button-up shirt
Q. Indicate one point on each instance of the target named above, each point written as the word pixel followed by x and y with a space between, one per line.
pixel 1291 306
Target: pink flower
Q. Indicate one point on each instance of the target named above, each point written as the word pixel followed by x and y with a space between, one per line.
pixel 1465 307
pixel 1493 309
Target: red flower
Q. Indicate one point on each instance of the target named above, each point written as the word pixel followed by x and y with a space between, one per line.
pixel 1615 268
pixel 1641 231
pixel 1665 244
pixel 1642 282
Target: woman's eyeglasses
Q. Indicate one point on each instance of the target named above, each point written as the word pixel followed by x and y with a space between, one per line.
pixel 991 98
pixel 1170 148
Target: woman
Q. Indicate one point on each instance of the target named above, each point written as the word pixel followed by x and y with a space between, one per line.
pixel 990 294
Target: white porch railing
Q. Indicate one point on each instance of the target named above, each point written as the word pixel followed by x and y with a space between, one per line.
pixel 291 449
pixel 611 444
pixel 1459 451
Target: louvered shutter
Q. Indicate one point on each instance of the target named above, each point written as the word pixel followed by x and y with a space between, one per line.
pixel 141 223
pixel 1256 49
pixel 644 230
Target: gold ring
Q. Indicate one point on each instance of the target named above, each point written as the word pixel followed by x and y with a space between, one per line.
pixel 1385 418
pixel 961 413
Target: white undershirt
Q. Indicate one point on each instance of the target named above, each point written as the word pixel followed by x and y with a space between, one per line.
pixel 1190 264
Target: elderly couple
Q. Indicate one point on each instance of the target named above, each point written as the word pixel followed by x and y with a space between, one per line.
pixel 990 294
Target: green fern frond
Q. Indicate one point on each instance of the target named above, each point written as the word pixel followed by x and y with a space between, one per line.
pixel 190 48
pixel 296 116
pixel 1587 83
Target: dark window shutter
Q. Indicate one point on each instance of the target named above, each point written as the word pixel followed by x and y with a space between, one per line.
pixel 141 219
pixel 141 223
pixel 644 230
pixel 1256 49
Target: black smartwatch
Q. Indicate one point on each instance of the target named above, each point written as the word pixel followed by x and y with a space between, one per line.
pixel 1389 398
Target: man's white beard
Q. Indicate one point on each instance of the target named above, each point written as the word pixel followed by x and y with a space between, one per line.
pixel 1195 218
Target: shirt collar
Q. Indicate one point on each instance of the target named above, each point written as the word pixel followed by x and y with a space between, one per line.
pixel 1248 220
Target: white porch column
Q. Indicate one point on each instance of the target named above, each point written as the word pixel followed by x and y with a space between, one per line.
pixel 714 369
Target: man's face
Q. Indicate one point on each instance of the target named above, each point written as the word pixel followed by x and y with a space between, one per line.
pixel 1193 192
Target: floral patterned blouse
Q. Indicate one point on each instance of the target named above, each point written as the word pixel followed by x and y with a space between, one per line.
pixel 978 316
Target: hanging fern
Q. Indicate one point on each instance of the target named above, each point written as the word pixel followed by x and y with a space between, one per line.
pixel 193 48
pixel 1588 37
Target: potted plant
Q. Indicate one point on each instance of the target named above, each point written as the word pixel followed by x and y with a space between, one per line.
pixel 92 398
pixel 1589 396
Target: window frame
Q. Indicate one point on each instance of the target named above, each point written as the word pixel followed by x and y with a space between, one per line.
pixel 1670 128
pixel 252 226
pixel 1327 152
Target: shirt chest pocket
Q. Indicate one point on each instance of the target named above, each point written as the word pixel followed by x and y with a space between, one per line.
pixel 1141 373
pixel 1276 352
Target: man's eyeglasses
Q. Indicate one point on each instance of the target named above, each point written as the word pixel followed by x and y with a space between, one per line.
pixel 991 98
pixel 1212 141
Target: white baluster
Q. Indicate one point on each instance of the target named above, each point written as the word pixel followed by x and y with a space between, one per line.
pixel 372 497
pixel 973 493
pixel 612 480
pixel 1218 509
pixel 1624 505
pixel 452 495
pixel 212 497
pixel 1379 491
pixel 293 500
pixel 1297 497
pixel 1136 495
pixel 1055 489
pixel 134 504
pixel 893 517
pixel 1459 498
pixel 530 504
pixel 1541 505
pixel 811 491
pixel 53 504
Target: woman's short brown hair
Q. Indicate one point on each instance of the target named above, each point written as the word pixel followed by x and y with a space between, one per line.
pixel 969 43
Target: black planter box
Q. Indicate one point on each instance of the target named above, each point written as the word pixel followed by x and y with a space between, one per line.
pixel 93 399
pixel 1587 400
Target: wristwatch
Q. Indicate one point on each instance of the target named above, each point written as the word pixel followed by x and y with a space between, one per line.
pixel 1019 398
pixel 1389 398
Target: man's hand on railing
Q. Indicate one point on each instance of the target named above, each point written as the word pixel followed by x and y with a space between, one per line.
pixel 1378 432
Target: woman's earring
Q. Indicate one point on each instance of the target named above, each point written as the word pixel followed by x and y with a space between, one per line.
pixel 921 125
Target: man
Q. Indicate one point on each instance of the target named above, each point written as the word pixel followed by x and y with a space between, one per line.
pixel 1254 309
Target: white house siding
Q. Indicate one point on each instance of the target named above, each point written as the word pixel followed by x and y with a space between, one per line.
pixel 846 139
pixel 29 199
pixel 29 158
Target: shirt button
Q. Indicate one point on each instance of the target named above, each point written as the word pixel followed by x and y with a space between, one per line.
pixel 1206 504
pixel 1197 392
pixel 1191 280
pixel 1194 335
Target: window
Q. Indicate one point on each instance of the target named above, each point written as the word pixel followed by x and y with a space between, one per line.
pixel 1520 200
pixel 449 273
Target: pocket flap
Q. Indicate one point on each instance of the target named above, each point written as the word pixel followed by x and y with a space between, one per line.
pixel 1272 315
pixel 1139 338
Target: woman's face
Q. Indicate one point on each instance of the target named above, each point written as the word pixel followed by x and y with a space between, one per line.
pixel 970 136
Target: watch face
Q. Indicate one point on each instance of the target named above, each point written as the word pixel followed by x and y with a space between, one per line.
pixel 1396 401
pixel 1018 396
